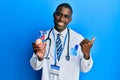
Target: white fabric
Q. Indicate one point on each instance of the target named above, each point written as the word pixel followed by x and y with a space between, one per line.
pixel 69 70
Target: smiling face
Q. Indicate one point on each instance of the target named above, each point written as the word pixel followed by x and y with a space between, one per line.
pixel 62 18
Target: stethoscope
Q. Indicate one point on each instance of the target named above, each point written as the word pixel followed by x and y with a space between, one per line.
pixel 67 57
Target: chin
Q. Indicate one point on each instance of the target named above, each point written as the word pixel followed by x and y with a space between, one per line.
pixel 60 28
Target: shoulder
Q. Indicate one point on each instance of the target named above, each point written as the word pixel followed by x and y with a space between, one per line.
pixel 75 35
pixel 48 32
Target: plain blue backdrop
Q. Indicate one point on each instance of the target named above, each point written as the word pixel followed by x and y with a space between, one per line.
pixel 20 21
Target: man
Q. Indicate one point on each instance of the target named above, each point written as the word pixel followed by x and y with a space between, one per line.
pixel 64 53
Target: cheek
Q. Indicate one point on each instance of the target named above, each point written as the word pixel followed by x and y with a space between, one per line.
pixel 67 21
pixel 56 18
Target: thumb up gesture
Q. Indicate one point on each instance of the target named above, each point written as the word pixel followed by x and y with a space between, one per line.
pixel 86 46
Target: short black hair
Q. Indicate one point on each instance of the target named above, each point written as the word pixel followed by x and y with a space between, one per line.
pixel 65 5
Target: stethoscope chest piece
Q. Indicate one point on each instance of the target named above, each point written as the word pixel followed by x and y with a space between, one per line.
pixel 67 57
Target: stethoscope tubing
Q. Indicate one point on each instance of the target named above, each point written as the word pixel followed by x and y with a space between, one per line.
pixel 48 38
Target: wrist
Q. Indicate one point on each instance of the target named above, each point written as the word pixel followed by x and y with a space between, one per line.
pixel 40 59
pixel 87 57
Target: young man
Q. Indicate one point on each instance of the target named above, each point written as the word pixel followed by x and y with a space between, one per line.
pixel 64 53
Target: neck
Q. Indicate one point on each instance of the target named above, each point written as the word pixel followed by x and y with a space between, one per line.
pixel 59 30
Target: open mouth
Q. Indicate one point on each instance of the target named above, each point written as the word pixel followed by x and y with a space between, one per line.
pixel 60 23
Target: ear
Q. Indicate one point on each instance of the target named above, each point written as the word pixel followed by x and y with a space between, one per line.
pixel 54 14
pixel 70 19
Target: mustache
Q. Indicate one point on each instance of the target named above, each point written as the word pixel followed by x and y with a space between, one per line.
pixel 60 21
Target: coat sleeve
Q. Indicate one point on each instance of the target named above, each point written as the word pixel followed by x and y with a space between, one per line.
pixel 35 63
pixel 86 65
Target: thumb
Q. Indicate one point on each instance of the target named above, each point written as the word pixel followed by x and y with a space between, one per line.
pixel 93 39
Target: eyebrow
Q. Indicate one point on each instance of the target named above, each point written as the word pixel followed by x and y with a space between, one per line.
pixel 58 12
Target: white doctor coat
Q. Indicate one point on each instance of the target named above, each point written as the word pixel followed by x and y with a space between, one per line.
pixel 69 70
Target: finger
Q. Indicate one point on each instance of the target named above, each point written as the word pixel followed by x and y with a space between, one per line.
pixel 38 41
pixel 83 44
pixel 36 49
pixel 86 40
pixel 42 47
pixel 34 46
pixel 93 39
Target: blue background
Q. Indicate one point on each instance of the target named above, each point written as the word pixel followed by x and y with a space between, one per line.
pixel 20 21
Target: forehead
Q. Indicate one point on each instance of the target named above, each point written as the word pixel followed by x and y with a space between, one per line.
pixel 64 10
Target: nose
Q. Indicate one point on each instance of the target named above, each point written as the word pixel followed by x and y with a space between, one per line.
pixel 62 18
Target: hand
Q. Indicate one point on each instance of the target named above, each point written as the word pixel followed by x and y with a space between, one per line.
pixel 86 46
pixel 39 48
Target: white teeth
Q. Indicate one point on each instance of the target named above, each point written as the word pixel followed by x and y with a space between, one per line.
pixel 61 23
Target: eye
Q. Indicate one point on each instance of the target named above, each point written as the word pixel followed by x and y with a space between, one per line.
pixel 67 16
pixel 58 14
